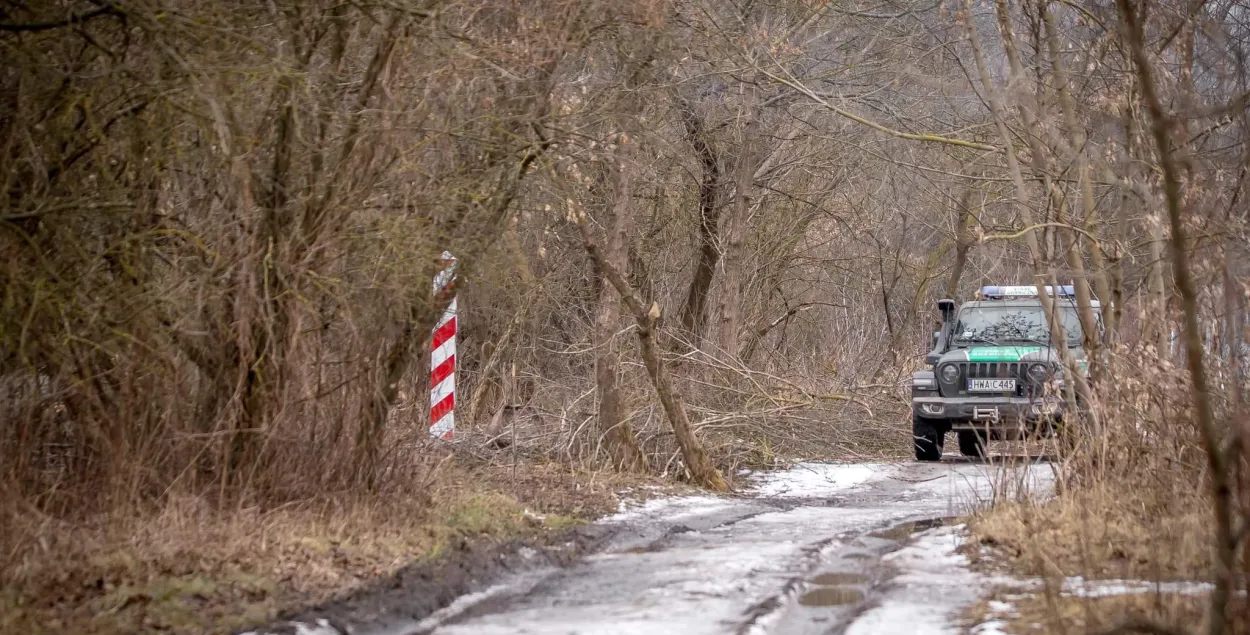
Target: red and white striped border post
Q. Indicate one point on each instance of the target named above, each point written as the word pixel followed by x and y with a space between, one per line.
pixel 443 356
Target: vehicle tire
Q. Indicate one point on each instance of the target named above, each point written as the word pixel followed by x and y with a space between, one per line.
pixel 927 439
pixel 972 443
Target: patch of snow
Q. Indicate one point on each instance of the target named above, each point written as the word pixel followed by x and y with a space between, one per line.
pixel 980 483
pixel 517 585
pixel 322 627
pixel 902 618
pixel 1001 607
pixel 990 627
pixel 1079 587
pixel 699 583
pixel 933 561
pixel 458 606
pixel 692 565
pixel 933 585
pixel 815 480
pixel 995 622
pixel 671 509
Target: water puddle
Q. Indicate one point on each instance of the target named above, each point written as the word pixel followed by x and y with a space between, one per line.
pixel 831 596
pixel 651 548
pixel 839 577
pixel 905 530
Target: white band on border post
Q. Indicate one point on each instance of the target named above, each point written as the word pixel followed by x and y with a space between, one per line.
pixel 443 355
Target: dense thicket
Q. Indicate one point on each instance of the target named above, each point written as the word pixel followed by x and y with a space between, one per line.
pixel 221 220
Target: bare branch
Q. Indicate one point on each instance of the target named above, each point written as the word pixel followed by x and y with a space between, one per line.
pixel 109 8
pixel 927 138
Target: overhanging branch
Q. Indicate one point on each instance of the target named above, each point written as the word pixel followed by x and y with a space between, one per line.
pixel 33 27
pixel 927 138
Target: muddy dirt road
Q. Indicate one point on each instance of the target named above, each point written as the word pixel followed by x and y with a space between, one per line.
pixel 819 548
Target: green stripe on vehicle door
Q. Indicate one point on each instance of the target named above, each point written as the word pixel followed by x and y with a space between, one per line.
pixel 1000 353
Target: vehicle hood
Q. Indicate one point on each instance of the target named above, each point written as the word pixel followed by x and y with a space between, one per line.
pixel 1026 353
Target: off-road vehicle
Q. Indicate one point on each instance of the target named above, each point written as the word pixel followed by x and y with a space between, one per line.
pixel 993 371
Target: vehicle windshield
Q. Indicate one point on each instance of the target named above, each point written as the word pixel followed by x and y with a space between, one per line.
pixel 990 324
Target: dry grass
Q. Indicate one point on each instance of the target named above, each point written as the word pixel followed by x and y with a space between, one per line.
pixel 1055 613
pixel 1101 532
pixel 1133 503
pixel 190 569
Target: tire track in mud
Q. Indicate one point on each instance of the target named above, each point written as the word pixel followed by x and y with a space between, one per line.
pixel 809 559
pixel 849 580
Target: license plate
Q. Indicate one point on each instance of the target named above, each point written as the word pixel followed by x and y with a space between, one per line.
pixel 991 385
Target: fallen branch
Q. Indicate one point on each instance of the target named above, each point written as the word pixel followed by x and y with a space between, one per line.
pixel 701 469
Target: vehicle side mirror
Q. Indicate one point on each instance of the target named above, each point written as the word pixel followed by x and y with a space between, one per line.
pixel 947 307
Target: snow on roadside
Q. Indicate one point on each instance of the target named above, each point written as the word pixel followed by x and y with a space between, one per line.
pixel 934 584
pixel 802 480
pixel 814 480
pixel 990 627
pixel 670 508
pixel 1001 612
pixel 322 627
pixel 1080 587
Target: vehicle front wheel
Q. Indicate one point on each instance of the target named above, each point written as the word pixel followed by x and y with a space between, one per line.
pixel 927 438
pixel 972 443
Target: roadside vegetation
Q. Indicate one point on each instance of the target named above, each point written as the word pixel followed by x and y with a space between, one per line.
pixel 1151 481
pixel 692 236
pixel 189 567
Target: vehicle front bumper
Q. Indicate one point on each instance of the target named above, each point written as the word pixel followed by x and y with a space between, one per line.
pixel 992 413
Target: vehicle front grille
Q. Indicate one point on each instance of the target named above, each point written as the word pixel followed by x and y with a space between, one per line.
pixel 987 370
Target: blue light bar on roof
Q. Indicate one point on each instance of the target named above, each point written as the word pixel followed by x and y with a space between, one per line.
pixel 1024 291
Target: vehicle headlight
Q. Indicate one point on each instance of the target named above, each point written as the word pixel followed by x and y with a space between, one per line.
pixel 1038 372
pixel 949 373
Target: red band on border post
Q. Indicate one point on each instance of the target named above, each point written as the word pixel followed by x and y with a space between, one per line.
pixel 443 353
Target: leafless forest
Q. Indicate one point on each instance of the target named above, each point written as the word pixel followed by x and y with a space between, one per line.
pixel 692 236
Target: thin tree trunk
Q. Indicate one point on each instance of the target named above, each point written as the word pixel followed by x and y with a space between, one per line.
pixel 701 469
pixel 1041 272
pixel 1042 262
pixel 730 308
pixel 478 398
pixel 1069 238
pixel 1225 547
pixel 506 414
pixel 1158 290
pixel 373 420
pixel 1098 261
pixel 963 241
pixel 694 309
pixel 614 427
pixel 1232 333
pixel 1084 297
pixel 1119 294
